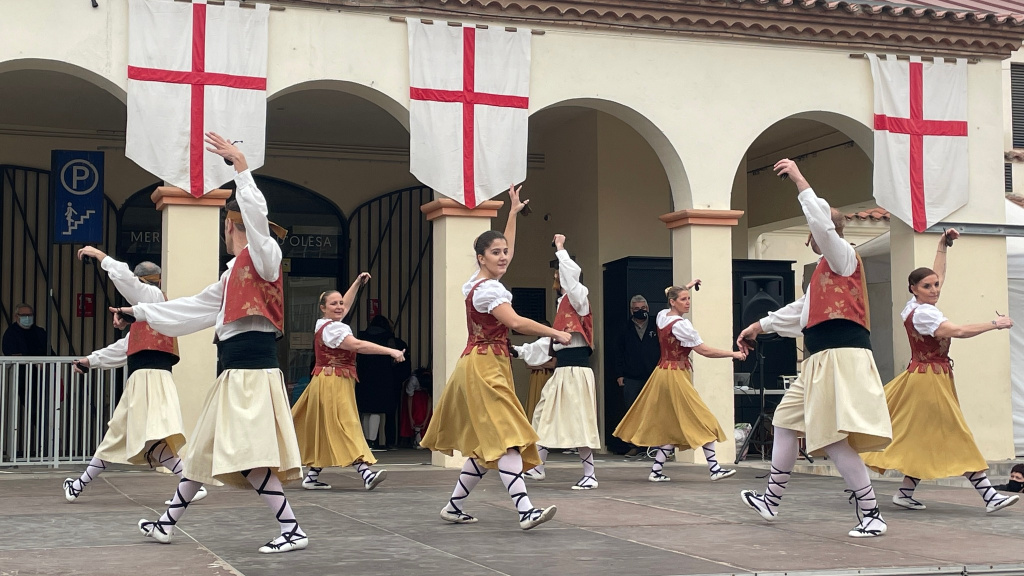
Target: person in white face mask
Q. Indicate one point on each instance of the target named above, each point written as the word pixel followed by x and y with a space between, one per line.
pixel 23 337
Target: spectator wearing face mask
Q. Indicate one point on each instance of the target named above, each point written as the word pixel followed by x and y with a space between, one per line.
pixel 636 354
pixel 1016 482
pixel 23 337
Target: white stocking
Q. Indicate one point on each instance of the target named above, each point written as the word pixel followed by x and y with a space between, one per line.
pixel 269 487
pixel 510 466
pixel 160 454
pixel 92 471
pixel 854 472
pixel 469 477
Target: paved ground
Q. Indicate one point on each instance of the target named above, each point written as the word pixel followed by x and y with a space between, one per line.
pixel 627 526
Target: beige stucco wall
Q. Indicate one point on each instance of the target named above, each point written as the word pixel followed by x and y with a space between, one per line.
pixel 690 99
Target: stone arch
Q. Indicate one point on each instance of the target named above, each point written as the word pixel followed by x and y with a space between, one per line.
pixel 679 184
pixel 66 68
pixel 382 100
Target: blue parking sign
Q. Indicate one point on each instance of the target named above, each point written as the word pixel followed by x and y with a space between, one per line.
pixel 77 180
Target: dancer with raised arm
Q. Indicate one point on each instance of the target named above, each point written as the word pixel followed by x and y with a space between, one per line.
pixel 478 413
pixel 669 413
pixel 566 415
pixel 244 436
pixel 930 438
pixel 837 403
pixel 146 426
pixel 326 416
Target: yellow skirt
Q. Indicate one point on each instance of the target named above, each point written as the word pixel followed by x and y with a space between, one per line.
pixel 479 414
pixel 245 423
pixel 669 411
pixel 147 412
pixel 327 424
pixel 930 438
pixel 538 378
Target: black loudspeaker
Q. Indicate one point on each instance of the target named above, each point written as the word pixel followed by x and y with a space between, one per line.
pixel 760 295
pixel 760 287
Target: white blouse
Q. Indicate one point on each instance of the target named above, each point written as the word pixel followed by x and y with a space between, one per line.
pixel 488 296
pixel 790 320
pixel 927 318
pixel 335 333
pixel 135 291
pixel 112 356
pixel 682 330
pixel 535 353
pixel 191 314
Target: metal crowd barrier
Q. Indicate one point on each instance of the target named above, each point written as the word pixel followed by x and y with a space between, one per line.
pixel 50 415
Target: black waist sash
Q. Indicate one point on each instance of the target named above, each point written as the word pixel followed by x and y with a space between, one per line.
pixel 247 351
pixel 573 357
pixel 832 334
pixel 150 360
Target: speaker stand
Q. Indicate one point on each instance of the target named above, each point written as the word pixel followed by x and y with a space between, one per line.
pixel 763 424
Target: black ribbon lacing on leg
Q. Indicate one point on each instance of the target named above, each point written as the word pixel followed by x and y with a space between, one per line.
pixel 908 493
pixel 149 458
pixel 451 501
pixel 69 486
pixel 518 496
pixel 310 480
pixel 182 503
pixel 873 514
pixel 583 481
pixel 661 465
pixel 290 536
pixel 770 497
pixel 990 494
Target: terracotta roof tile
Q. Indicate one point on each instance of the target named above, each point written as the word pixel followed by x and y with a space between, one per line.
pixel 976 11
pixel 874 215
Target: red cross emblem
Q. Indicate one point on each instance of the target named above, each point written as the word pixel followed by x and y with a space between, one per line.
pixel 198 78
pixel 918 127
pixel 469 98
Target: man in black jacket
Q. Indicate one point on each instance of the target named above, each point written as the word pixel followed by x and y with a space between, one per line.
pixel 636 354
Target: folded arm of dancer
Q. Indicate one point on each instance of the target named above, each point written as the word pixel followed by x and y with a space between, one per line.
pixel 536 353
pixel 190 314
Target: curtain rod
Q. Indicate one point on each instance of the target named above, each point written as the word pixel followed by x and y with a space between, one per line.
pixel 923 58
pixel 481 26
pixel 241 4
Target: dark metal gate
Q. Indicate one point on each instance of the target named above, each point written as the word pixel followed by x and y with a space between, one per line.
pixel 392 240
pixel 28 258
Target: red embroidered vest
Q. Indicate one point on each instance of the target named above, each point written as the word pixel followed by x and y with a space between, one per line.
pixel 247 294
pixel 835 297
pixel 333 360
pixel 143 337
pixel 927 350
pixel 484 329
pixel 674 356
pixel 567 319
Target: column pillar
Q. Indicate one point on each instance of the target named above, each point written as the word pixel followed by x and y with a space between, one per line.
pixel 455 227
pixel 702 248
pixel 974 289
pixel 190 252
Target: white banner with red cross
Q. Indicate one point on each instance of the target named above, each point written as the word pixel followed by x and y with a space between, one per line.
pixel 921 160
pixel 192 69
pixel 469 93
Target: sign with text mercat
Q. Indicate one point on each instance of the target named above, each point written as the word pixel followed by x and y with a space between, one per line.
pixel 77 181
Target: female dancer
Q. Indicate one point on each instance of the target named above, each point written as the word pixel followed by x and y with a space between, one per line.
pixel 326 417
pixel 923 402
pixel 478 413
pixel 669 412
